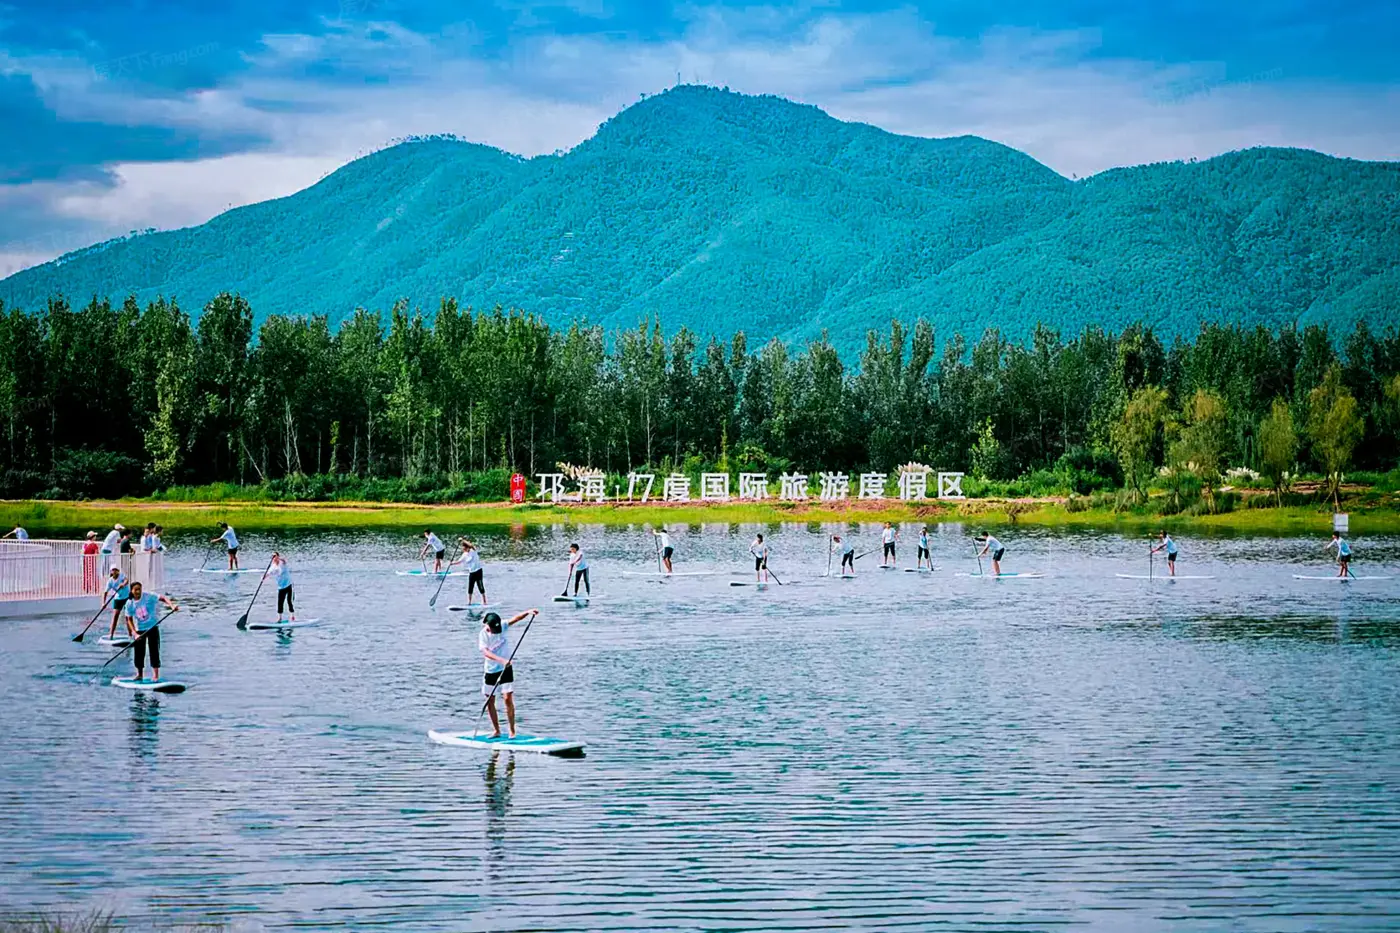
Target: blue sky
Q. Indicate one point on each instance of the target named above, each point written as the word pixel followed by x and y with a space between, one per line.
pixel 131 114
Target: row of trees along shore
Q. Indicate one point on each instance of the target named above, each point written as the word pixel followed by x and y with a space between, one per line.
pixel 111 400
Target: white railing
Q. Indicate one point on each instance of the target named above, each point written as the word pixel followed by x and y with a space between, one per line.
pixel 43 569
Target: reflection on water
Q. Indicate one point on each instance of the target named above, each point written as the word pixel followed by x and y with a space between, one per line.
pixel 896 751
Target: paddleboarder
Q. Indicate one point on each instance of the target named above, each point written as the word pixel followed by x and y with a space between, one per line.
pixel 924 553
pixel 759 550
pixel 887 539
pixel 578 569
pixel 230 540
pixel 142 614
pixel 432 544
pixel 476 571
pixel 664 540
pixel 1165 543
pixel 1343 549
pixel 499 676
pixel 279 570
pixel 847 550
pixel 992 546
pixel 119 591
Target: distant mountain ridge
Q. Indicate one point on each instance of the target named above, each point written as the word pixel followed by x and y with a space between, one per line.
pixel 722 212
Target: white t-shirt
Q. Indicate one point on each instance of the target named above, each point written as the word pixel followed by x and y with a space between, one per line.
pixel 499 645
pixel 109 543
pixel 993 545
pixel 229 538
pixel 665 539
pixel 759 549
pixel 471 561
pixel 434 543
pixel 888 536
pixel 578 561
pixel 848 547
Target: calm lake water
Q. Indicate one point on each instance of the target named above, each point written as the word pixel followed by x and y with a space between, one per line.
pixel 896 751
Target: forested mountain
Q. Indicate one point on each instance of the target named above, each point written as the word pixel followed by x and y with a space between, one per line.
pixel 722 212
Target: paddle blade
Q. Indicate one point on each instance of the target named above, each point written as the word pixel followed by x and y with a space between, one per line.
pixel 78 637
pixel 242 622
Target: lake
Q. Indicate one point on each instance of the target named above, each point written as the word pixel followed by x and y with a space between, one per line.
pixel 896 751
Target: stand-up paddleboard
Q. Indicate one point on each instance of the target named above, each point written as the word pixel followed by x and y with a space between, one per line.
pixel 158 686
pixel 1003 576
pixel 227 572
pixel 1337 579
pixel 431 573
pixel 279 626
pixel 1164 576
pixel 581 599
pixel 562 748
pixel 887 566
pixel 475 609
pixel 836 576
pixel 121 641
pixel 762 586
pixel 676 573
pixel 921 569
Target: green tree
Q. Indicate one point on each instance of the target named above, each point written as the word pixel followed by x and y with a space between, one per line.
pixel 1138 435
pixel 1278 446
pixel 1334 427
pixel 1201 441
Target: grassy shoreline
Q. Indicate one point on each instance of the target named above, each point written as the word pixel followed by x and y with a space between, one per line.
pixel 65 516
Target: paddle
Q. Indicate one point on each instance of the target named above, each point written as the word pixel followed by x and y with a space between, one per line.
pixel 830 547
pixel 492 695
pixel 208 553
pixel 242 622
pixel 79 637
pixel 568 575
pixel 133 644
pixel 1151 551
pixel 657 541
pixel 432 603
pixel 859 556
pixel 979 559
pixel 771 573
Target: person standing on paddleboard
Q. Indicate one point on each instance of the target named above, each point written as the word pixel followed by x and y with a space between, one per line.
pixel 433 545
pixel 231 542
pixel 1168 545
pixel 120 591
pixel 279 569
pixel 1343 549
pixel 924 553
pixel 476 571
pixel 499 677
pixel 887 539
pixel 993 547
pixel 578 569
pixel 142 614
pixel 759 550
pixel 847 550
pixel 667 552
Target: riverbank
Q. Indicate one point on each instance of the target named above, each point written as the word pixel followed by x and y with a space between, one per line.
pixel 55 517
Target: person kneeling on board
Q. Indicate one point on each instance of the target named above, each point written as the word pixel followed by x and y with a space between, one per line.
pixel 578 568
pixel 476 571
pixel 499 676
pixel 283 574
pixel 759 550
pixel 847 549
pixel 141 619
pixel 993 547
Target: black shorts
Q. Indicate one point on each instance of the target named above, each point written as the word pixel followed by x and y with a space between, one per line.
pixel 757 562
pixel 668 552
pixel 1001 552
pixel 848 558
pixel 439 555
pixel 284 598
pixel 923 551
pixel 476 580
pixel 233 551
pixel 120 604
pixel 889 549
pixel 496 678
pixel 1171 558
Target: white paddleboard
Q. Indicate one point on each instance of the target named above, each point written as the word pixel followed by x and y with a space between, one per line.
pixel 158 686
pixel 521 743
pixel 278 626
pixel 475 608
pixel 887 566
pixel 1163 576
pixel 676 573
pixel 227 572
pixel 920 569
pixel 580 599
pixel 430 573
pixel 121 641
pixel 1336 579
pixel 1003 576
pixel 761 586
